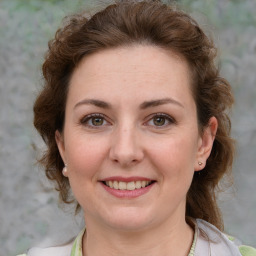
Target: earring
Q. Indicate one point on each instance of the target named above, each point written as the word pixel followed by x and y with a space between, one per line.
pixel 65 171
pixel 200 163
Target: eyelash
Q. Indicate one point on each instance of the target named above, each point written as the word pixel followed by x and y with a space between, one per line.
pixel 166 117
pixel 85 120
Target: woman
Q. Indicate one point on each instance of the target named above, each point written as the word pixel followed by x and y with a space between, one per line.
pixel 134 115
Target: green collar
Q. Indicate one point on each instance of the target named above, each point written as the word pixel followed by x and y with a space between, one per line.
pixel 77 245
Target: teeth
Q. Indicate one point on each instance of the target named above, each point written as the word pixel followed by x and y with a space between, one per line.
pixel 127 185
pixel 122 185
pixel 130 185
pixel 143 183
pixel 138 184
pixel 115 185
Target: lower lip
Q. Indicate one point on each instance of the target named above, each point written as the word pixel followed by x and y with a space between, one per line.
pixel 127 193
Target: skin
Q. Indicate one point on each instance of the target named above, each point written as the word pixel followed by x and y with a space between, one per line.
pixel 130 142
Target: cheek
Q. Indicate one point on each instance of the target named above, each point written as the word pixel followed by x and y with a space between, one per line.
pixel 85 159
pixel 85 156
pixel 175 156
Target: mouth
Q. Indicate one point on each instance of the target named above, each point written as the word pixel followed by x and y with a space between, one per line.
pixel 131 185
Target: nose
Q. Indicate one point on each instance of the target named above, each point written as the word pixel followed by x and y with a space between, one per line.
pixel 126 149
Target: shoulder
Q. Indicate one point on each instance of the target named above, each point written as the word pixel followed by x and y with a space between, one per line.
pixel 74 247
pixel 64 250
pixel 247 250
pixel 244 249
pixel 209 235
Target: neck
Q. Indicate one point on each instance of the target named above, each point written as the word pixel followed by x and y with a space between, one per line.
pixel 167 239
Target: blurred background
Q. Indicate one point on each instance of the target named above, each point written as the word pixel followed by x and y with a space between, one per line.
pixel 29 212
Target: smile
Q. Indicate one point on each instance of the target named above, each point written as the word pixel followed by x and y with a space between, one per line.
pixel 132 185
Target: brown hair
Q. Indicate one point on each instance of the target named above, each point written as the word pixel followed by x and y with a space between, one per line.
pixel 140 22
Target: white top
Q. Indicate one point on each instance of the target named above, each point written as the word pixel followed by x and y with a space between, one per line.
pixel 208 241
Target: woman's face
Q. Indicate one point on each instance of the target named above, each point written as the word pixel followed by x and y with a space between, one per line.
pixel 131 122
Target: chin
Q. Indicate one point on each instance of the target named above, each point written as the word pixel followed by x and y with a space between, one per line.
pixel 129 219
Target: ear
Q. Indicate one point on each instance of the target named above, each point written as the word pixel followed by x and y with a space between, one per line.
pixel 205 144
pixel 61 146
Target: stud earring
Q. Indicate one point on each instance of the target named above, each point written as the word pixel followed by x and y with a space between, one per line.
pixel 65 171
pixel 200 163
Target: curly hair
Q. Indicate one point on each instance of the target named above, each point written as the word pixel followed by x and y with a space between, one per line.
pixel 126 23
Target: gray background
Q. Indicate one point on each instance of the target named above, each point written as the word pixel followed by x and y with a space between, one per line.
pixel 29 213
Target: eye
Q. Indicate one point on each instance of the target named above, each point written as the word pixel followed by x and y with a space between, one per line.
pixel 160 120
pixel 94 120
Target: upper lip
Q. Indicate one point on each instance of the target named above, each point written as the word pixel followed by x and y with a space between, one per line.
pixel 126 179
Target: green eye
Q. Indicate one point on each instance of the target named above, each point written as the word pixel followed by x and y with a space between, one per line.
pixel 97 121
pixel 159 120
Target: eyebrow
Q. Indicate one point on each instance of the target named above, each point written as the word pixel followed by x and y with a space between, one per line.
pixel 97 103
pixel 144 105
pixel 158 102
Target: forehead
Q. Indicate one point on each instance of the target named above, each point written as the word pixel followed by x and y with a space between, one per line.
pixel 133 57
pixel 134 69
